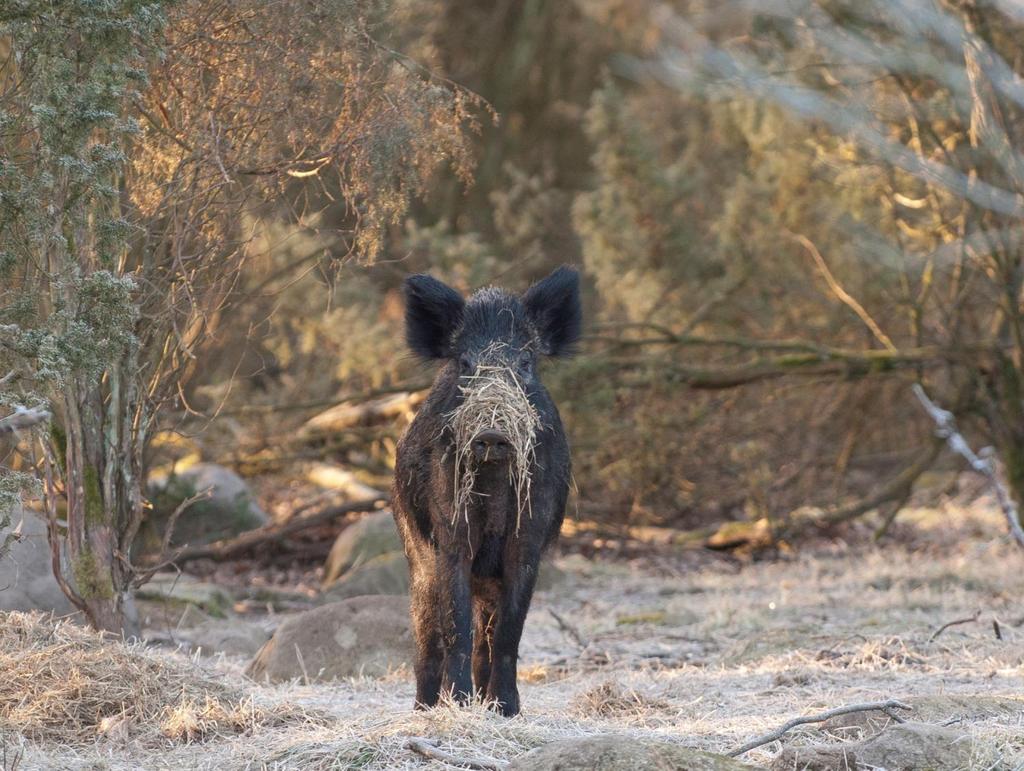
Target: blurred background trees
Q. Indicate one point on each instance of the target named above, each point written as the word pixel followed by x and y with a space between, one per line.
pixel 144 145
pixel 696 210
pixel 786 213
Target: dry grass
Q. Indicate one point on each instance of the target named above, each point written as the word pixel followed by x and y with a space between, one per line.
pixel 718 653
pixel 611 699
pixel 493 399
pixel 62 683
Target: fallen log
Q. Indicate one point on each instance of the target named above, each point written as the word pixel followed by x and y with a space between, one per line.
pixel 335 477
pixel 229 548
pixel 348 415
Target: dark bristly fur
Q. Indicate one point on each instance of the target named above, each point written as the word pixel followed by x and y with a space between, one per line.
pixel 432 311
pixel 554 304
pixel 473 574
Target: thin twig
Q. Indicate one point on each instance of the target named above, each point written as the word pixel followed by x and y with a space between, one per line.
pixel 428 750
pixel 882 706
pixel 845 297
pixel 172 521
pixel 569 629
pixel 957 622
pixel 167 555
pixel 945 428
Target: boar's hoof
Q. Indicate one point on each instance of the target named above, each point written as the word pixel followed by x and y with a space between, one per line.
pixel 506 705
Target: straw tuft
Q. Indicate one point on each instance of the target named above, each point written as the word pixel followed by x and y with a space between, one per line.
pixel 64 683
pixel 493 398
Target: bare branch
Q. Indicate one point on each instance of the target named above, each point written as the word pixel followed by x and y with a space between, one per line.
pixel 172 521
pixel 896 489
pixel 166 557
pixel 945 428
pixel 259 409
pixel 882 706
pixel 844 297
pixel 724 294
pixel 23 417
pixel 695 57
pixel 846 364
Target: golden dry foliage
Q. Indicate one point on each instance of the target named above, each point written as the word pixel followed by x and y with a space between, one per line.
pixel 252 95
pixel 269 111
pixel 64 683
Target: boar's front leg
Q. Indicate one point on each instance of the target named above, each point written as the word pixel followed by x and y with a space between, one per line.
pixel 456 606
pixel 424 603
pixel 520 575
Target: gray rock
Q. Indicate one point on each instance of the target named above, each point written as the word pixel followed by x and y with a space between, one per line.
pixel 363 636
pixel 621 753
pixel 899 747
pixel 936 709
pixel 906 746
pixel 231 508
pixel 231 635
pixel 388 573
pixel 385 574
pixel 26 575
pixel 373 535
pixel 818 757
pixel 180 590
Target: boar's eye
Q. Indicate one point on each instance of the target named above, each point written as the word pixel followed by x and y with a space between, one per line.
pixel 525 361
pixel 465 365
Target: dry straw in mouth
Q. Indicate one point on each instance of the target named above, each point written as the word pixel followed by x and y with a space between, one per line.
pixel 493 399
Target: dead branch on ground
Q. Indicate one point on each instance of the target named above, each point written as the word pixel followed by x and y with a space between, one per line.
pixel 428 750
pixel 897 490
pixel 882 706
pixel 234 547
pixel 346 415
pixel 957 622
pixel 317 404
pixel 338 478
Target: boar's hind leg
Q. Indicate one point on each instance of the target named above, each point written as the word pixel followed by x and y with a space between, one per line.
pixel 516 591
pixel 456 626
pixel 485 603
pixel 423 600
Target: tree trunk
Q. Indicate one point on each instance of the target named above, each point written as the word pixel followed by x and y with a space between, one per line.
pixel 102 487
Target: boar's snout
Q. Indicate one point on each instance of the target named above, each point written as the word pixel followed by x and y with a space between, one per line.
pixel 491 446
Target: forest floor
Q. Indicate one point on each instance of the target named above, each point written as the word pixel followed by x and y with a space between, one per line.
pixel 699 649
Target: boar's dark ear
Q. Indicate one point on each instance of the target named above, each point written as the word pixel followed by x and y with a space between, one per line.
pixel 554 306
pixel 433 311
